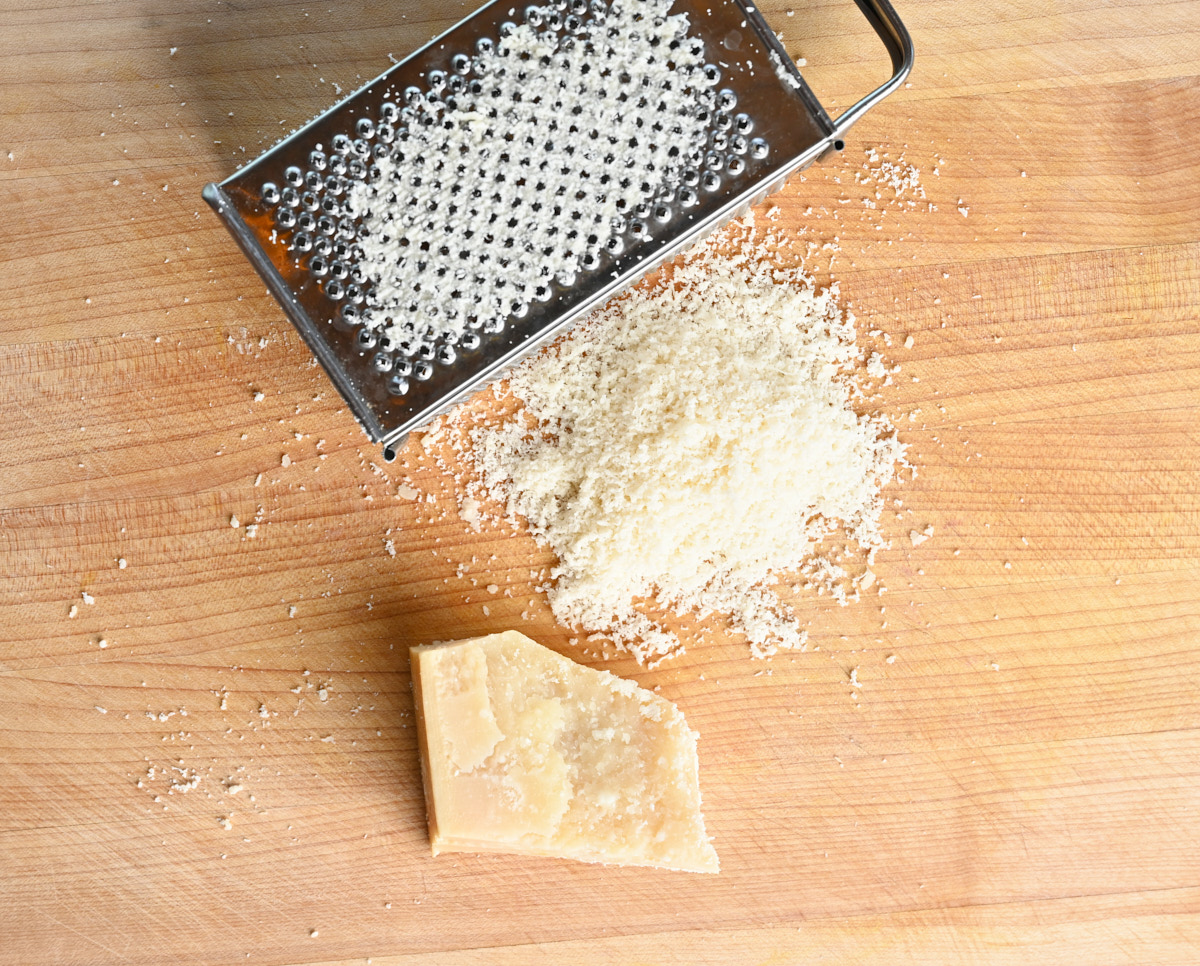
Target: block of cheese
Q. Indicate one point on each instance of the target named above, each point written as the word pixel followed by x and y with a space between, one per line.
pixel 525 751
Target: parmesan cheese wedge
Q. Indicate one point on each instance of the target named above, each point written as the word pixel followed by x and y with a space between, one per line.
pixel 525 751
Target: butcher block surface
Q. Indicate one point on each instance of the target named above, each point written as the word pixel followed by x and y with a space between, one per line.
pixel 207 748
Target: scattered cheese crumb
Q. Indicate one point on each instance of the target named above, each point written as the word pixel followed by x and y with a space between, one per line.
pixel 918 537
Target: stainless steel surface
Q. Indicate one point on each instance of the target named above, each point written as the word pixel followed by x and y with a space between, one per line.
pixel 754 65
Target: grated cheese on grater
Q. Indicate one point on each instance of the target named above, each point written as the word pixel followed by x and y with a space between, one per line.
pixel 686 444
pixel 501 190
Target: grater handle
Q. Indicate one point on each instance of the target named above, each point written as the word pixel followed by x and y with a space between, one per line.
pixel 887 24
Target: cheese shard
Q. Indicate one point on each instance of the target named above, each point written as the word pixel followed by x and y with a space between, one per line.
pixel 525 751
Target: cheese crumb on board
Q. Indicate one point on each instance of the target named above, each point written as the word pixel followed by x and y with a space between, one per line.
pixel 688 442
pixel 918 537
pixel 524 751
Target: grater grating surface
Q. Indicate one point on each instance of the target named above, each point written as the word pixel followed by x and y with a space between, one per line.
pixel 514 174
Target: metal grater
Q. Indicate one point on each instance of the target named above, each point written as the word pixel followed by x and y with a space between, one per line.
pixel 404 343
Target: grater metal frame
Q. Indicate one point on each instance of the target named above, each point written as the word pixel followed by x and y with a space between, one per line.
pixel 229 201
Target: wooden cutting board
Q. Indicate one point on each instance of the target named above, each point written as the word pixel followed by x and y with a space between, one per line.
pixel 1020 784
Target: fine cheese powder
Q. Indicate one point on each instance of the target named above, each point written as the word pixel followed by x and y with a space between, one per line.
pixel 687 444
pixel 497 194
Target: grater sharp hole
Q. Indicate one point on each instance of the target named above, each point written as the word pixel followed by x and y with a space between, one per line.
pixel 270 193
pixel 382 362
pixel 759 149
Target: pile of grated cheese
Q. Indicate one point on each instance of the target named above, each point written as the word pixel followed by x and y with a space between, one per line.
pixel 686 446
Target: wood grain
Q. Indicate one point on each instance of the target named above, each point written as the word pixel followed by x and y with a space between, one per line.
pixel 1020 783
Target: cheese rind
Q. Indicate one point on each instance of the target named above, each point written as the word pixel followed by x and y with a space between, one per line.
pixel 525 751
